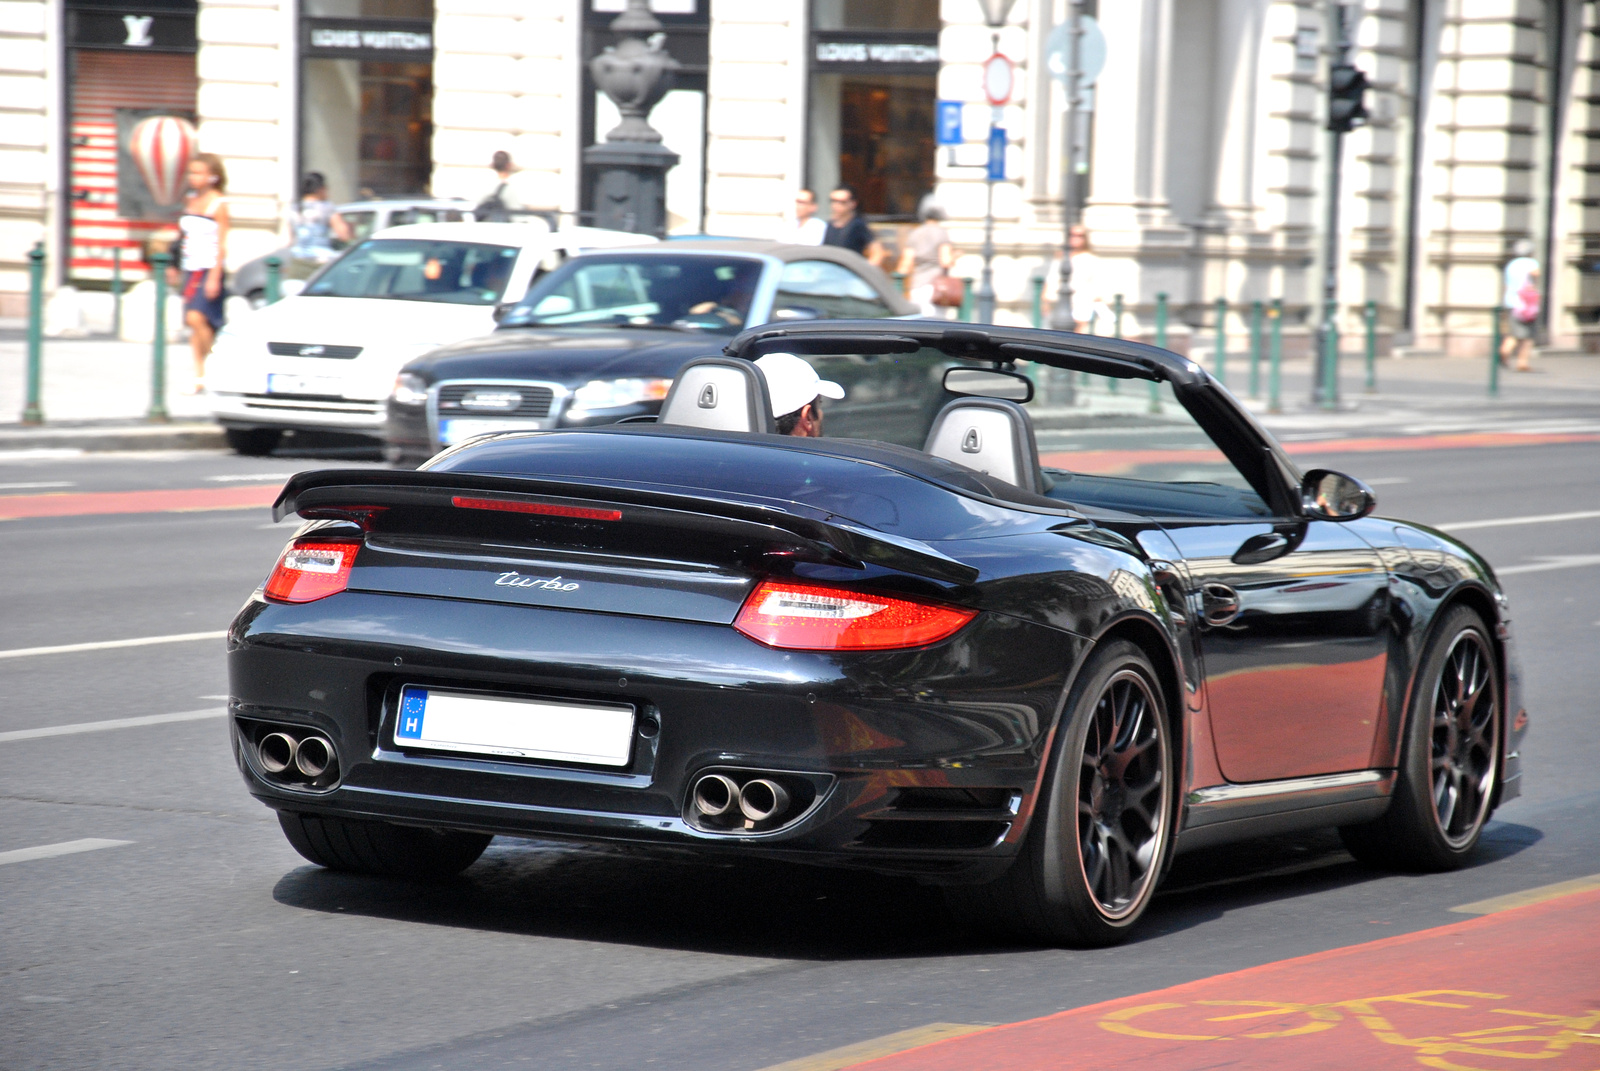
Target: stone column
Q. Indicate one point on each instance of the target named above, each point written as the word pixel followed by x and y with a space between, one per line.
pixel 631 165
pixel 30 149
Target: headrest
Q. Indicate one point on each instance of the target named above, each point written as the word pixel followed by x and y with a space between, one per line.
pixel 992 436
pixel 719 393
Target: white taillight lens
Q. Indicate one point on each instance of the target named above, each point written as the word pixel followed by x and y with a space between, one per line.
pixel 810 617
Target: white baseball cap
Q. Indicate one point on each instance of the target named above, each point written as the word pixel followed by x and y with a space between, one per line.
pixel 792 383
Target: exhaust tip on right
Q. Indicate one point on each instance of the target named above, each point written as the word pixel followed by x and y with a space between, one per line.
pixel 762 799
pixel 314 756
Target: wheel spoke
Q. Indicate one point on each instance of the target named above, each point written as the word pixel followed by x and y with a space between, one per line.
pixel 1445 795
pixel 1118 879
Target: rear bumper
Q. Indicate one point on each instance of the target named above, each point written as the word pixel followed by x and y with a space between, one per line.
pixel 929 760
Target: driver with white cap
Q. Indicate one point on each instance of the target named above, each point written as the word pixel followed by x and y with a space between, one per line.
pixel 796 392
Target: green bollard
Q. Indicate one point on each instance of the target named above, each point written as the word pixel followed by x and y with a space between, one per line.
pixel 116 291
pixel 32 413
pixel 275 280
pixel 1037 301
pixel 1496 341
pixel 1255 349
pixel 1116 332
pixel 1161 343
pixel 1222 341
pixel 965 313
pixel 1330 379
pixel 158 344
pixel 1372 347
pixel 1275 360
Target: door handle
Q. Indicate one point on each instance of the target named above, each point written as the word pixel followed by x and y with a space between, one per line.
pixel 1219 604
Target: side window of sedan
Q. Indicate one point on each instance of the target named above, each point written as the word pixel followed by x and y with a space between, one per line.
pixel 833 290
pixel 360 224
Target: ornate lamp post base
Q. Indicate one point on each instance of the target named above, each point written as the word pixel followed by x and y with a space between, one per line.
pixel 630 185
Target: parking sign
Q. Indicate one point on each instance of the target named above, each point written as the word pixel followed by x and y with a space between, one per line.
pixel 949 122
pixel 997 154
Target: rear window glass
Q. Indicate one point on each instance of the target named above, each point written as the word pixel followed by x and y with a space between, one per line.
pixel 413 269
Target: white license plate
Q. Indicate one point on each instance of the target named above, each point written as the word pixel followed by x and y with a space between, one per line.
pixel 287 383
pixel 460 429
pixel 595 734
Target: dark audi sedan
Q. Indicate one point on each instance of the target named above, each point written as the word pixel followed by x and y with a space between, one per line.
pixel 600 339
pixel 1030 660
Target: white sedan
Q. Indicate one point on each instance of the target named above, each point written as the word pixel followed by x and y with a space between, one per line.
pixel 326 358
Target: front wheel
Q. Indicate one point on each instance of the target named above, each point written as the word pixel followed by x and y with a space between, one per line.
pixel 1450 760
pixel 252 442
pixel 1100 832
pixel 365 847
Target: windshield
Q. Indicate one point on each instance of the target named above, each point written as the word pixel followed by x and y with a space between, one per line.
pixel 415 269
pixel 704 293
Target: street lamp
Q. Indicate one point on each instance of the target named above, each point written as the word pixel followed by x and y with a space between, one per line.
pixel 1061 318
pixel 994 16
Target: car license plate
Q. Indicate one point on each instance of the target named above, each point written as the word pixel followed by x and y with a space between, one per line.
pixel 460 429
pixel 286 383
pixel 596 734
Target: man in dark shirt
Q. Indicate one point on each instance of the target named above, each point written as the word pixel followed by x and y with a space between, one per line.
pixel 850 231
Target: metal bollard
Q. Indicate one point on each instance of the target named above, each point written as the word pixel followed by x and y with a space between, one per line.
pixel 1330 379
pixel 1116 332
pixel 1036 302
pixel 1496 341
pixel 1255 349
pixel 1371 315
pixel 32 413
pixel 116 291
pixel 1161 342
pixel 274 280
pixel 1222 341
pixel 158 342
pixel 1275 360
pixel 965 313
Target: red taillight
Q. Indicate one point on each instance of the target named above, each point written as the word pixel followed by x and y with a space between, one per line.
pixel 543 509
pixel 310 571
pixel 810 617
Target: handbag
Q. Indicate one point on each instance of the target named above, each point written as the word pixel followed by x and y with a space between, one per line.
pixel 948 291
pixel 1527 307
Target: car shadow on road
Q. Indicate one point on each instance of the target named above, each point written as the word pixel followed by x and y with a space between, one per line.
pixel 786 911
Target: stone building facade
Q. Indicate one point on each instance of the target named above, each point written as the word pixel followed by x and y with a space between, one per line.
pixel 1206 173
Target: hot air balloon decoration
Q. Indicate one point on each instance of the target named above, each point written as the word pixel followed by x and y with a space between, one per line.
pixel 160 147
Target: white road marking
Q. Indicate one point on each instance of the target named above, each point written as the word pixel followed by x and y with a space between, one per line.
pixel 250 477
pixel 1385 481
pixel 1503 522
pixel 66 847
pixel 37 485
pixel 113 723
pixel 1544 565
pixel 107 645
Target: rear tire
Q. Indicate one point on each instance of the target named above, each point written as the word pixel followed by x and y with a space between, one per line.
pixel 1100 833
pixel 1450 758
pixel 252 442
pixel 363 847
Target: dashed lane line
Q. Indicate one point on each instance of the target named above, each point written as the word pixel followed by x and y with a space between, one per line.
pixel 1545 565
pixel 108 645
pixel 1504 522
pixel 36 485
pixel 112 723
pixel 66 847
pixel 888 1045
pixel 1536 895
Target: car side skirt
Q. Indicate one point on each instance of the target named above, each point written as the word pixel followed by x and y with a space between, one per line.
pixel 1223 813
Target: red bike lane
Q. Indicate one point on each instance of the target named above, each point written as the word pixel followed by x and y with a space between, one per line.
pixel 165 500
pixel 1518 988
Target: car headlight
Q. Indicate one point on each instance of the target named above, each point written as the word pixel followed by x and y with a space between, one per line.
pixel 611 393
pixel 409 389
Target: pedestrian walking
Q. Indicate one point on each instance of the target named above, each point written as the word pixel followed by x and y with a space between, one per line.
pixel 503 199
pixel 848 230
pixel 1088 298
pixel 316 224
pixel 1521 306
pixel 203 248
pixel 806 228
pixel 796 392
pixel 928 257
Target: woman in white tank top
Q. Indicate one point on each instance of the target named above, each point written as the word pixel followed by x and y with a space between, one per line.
pixel 203 246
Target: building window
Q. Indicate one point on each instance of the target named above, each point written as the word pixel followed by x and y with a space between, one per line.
pixel 366 96
pixel 874 80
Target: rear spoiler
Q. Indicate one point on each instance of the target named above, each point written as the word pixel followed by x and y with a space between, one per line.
pixel 356 494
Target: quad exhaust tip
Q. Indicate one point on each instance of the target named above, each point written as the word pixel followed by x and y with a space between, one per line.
pixel 300 758
pixel 720 802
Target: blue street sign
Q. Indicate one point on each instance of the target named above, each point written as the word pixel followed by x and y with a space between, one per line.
pixel 997 154
pixel 949 122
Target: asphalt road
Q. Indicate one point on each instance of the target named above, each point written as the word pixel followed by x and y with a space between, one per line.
pixel 203 941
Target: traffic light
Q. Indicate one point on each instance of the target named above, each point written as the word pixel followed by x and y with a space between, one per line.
pixel 1347 87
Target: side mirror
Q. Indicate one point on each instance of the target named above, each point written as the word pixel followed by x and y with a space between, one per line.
pixel 797 312
pixel 501 309
pixel 989 383
pixel 1332 496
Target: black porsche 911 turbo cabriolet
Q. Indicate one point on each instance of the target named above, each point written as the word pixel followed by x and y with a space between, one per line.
pixel 1029 658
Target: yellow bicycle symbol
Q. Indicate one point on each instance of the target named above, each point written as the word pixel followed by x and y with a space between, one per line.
pixel 1532 1036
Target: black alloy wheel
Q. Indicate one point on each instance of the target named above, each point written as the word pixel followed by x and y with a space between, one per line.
pixel 1099 836
pixel 1451 758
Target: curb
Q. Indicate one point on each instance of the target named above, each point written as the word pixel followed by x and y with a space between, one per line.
pixel 100 438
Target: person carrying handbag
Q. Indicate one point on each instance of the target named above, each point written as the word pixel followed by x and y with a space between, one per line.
pixel 926 261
